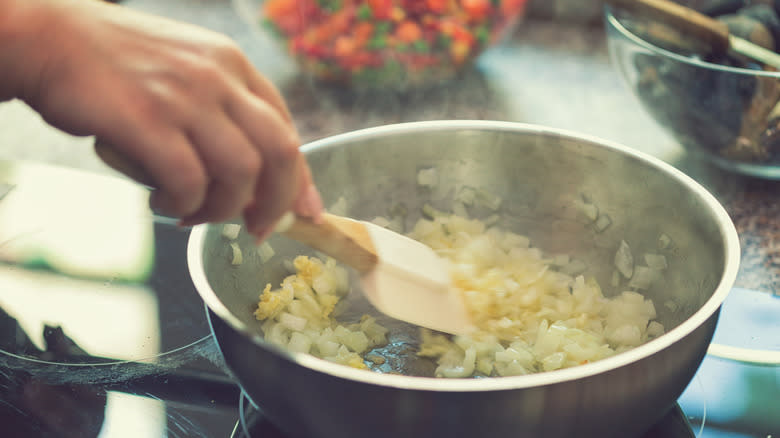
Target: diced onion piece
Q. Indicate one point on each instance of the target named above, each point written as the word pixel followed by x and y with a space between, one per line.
pixel 624 261
pixel 656 261
pixel 489 200
pixel 292 322
pixel 655 329
pixel 625 335
pixel 643 278
pixel 554 361
pixel 590 211
pixel 356 341
pixel 602 223
pixel 237 257
pixel 265 251
pixel 466 195
pixel 428 177
pixel 664 241
pixel 299 343
pixel 230 231
pixel 327 347
pixel 671 305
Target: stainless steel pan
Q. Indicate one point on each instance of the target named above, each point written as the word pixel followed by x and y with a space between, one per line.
pixel 539 173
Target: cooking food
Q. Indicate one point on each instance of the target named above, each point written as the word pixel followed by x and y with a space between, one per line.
pixel 533 314
pixel 379 42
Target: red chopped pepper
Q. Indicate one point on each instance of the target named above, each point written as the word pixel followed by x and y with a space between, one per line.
pixel 437 6
pixel 476 9
pixel 408 32
pixel 382 9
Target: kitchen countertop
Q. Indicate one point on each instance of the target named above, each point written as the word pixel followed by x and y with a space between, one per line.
pixel 556 75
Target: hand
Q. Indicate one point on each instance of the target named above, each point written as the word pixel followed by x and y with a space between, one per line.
pixel 180 101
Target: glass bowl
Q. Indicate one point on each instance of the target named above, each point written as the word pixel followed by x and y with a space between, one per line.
pixel 725 110
pixel 375 44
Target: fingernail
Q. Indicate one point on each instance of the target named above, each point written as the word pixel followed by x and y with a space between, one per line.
pixel 310 204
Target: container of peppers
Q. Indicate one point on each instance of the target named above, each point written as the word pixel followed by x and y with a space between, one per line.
pixel 386 43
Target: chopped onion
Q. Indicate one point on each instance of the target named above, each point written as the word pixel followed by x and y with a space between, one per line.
pixel 265 251
pixel 237 257
pixel 602 223
pixel 656 261
pixel 489 200
pixel 624 261
pixel 664 241
pixel 292 322
pixel 299 343
pixel 590 211
pixel 643 278
pixel 428 177
pixel 466 195
pixel 230 231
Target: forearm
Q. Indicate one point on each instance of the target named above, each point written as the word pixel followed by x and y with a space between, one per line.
pixel 23 44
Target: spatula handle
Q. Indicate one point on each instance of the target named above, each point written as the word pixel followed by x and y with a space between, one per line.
pixel 713 32
pixel 344 239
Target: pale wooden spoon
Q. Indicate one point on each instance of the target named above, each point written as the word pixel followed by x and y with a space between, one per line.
pixel 401 277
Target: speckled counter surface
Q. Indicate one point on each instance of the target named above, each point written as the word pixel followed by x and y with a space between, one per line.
pixel 556 75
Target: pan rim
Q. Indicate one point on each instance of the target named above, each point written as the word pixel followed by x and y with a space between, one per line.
pixel 699 318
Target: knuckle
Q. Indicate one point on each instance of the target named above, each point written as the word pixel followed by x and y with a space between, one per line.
pixel 246 169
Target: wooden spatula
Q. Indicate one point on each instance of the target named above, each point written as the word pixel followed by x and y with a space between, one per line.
pixel 401 277
pixel 697 25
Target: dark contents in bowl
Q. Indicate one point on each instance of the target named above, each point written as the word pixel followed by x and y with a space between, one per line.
pixel 732 114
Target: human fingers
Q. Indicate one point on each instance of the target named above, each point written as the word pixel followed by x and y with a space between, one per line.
pixel 309 202
pixel 278 183
pixel 162 158
pixel 232 163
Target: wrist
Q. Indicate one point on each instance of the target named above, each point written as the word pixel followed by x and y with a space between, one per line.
pixel 23 44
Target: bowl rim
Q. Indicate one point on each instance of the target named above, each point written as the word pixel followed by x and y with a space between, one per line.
pixel 699 318
pixel 613 22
